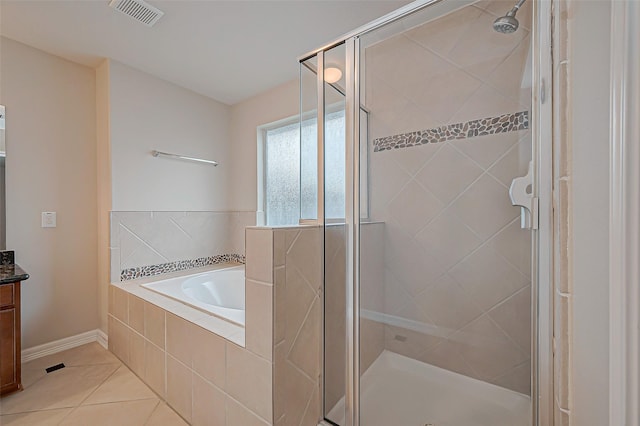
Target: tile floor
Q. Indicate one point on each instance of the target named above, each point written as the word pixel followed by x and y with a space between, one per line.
pixel 94 388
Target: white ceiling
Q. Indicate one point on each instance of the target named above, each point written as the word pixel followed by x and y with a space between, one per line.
pixel 227 50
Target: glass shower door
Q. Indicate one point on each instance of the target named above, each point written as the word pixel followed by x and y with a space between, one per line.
pixel 445 267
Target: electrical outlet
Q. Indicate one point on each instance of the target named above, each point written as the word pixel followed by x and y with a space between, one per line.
pixel 48 219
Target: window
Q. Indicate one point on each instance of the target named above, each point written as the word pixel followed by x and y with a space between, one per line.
pixel 290 175
pixel 289 178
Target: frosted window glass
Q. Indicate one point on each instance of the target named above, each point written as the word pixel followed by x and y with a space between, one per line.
pixel 282 194
pixel 334 165
pixel 291 176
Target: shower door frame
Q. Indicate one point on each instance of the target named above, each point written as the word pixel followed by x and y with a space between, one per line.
pixel 542 238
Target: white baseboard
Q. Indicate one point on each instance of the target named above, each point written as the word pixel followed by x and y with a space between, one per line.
pixel 103 338
pixel 56 346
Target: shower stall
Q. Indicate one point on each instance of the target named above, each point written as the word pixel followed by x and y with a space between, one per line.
pixel 428 165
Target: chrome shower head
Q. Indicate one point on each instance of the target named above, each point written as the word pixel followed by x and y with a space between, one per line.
pixel 508 23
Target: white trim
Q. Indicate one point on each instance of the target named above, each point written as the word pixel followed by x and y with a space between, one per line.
pixel 103 339
pixel 624 237
pixel 56 346
pixel 542 238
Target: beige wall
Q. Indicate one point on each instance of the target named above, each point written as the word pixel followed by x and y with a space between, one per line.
pixel 51 143
pixel 147 113
pixel 457 264
pixel 273 105
pixel 589 54
pixel 103 164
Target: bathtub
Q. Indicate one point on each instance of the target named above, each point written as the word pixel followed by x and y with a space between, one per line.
pixel 219 292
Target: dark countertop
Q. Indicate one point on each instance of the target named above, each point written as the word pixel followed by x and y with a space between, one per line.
pixel 12 273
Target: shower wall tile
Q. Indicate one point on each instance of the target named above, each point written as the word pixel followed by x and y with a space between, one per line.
pixel 456 265
pixel 509 76
pixel 486 150
pixel 514 244
pixel 435 237
pixel 448 173
pixel 488 278
pixel 515 160
pixel 485 207
pixel 143 239
pixel 449 307
pixel 513 316
pixel 518 379
pixel 487 349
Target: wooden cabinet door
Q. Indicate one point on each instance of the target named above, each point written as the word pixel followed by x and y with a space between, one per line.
pixel 8 373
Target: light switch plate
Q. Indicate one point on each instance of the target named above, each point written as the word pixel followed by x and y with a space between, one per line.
pixel 48 219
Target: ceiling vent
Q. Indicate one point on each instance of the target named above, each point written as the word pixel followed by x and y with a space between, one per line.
pixel 139 10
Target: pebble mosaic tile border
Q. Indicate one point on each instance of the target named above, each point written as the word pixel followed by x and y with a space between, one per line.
pixel 483 126
pixel 180 265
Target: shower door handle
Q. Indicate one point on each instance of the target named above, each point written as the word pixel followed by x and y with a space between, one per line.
pixel 520 196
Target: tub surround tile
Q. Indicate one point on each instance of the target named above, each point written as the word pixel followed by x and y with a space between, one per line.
pixel 179 387
pixel 136 353
pixel 259 315
pixel 209 404
pixel 155 368
pixel 237 414
pixel 209 356
pixel 118 339
pixel 222 328
pixel 180 342
pixel 163 241
pixel 249 380
pixel 259 247
pixel 136 313
pixel 154 324
pixel 120 305
pixel 211 378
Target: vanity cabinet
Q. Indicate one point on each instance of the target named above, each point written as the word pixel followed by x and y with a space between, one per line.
pixel 10 375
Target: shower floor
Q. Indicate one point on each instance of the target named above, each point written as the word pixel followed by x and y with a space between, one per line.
pixel 401 391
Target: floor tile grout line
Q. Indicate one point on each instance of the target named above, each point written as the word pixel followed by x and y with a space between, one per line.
pixel 101 383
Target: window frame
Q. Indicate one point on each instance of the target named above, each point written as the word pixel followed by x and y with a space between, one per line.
pixel 261 136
